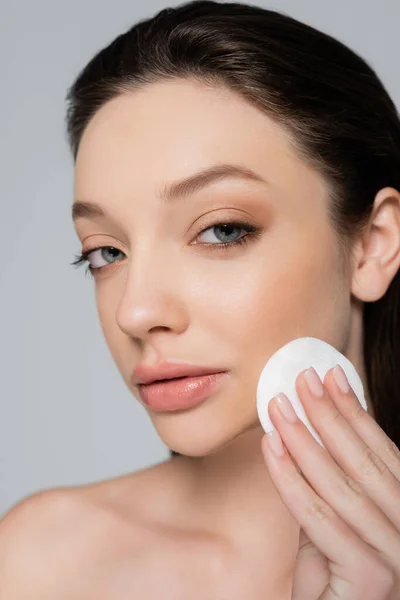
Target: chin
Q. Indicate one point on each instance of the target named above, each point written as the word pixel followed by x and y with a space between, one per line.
pixel 194 446
pixel 198 436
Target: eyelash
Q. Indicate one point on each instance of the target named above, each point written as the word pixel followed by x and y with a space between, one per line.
pixel 253 233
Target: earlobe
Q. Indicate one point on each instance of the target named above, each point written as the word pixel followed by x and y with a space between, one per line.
pixel 378 258
pixel 369 282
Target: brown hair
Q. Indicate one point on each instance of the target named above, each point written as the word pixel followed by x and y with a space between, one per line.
pixel 339 114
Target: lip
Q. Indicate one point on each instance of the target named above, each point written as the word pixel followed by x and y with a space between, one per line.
pixel 179 394
pixel 145 374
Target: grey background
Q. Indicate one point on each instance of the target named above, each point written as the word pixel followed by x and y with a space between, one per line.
pixel 66 417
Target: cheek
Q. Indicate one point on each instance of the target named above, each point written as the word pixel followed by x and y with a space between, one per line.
pixel 299 293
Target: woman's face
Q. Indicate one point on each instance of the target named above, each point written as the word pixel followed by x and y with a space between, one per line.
pixel 169 292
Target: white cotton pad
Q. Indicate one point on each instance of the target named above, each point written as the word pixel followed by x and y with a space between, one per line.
pixel 282 369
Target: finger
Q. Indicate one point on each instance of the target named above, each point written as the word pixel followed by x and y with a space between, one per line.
pixel 331 484
pixel 364 424
pixel 358 461
pixel 361 571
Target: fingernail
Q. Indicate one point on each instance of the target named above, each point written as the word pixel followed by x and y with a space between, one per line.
pixel 286 408
pixel 275 442
pixel 341 379
pixel 314 383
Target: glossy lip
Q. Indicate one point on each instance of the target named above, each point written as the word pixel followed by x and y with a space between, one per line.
pixel 145 374
pixel 180 394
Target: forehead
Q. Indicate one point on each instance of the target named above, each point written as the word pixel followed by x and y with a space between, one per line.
pixel 168 130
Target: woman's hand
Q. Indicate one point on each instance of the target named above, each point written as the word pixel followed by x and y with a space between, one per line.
pixel 346 498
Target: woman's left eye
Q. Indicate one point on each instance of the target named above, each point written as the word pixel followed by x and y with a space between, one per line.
pixel 226 231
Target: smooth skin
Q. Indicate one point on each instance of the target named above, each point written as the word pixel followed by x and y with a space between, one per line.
pixel 220 521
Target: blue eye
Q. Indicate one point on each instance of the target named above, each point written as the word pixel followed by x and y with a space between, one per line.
pixel 227 229
pixel 84 257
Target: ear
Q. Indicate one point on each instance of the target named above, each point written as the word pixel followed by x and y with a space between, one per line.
pixel 377 255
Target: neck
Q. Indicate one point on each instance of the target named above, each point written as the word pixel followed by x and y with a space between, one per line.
pixel 233 495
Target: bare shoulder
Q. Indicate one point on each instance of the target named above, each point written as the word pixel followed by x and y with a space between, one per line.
pixel 41 511
pixel 55 542
pixel 48 539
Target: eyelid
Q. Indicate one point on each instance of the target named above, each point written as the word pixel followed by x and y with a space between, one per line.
pixel 239 220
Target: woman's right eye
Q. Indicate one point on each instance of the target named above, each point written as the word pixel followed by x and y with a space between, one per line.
pixel 102 252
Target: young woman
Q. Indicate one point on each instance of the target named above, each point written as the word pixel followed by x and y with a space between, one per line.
pixel 237 178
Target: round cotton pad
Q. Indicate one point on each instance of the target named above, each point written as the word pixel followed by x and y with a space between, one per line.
pixel 282 369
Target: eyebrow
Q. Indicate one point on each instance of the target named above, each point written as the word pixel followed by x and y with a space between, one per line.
pixel 178 189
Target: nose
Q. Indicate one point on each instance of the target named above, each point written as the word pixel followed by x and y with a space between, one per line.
pixel 152 298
